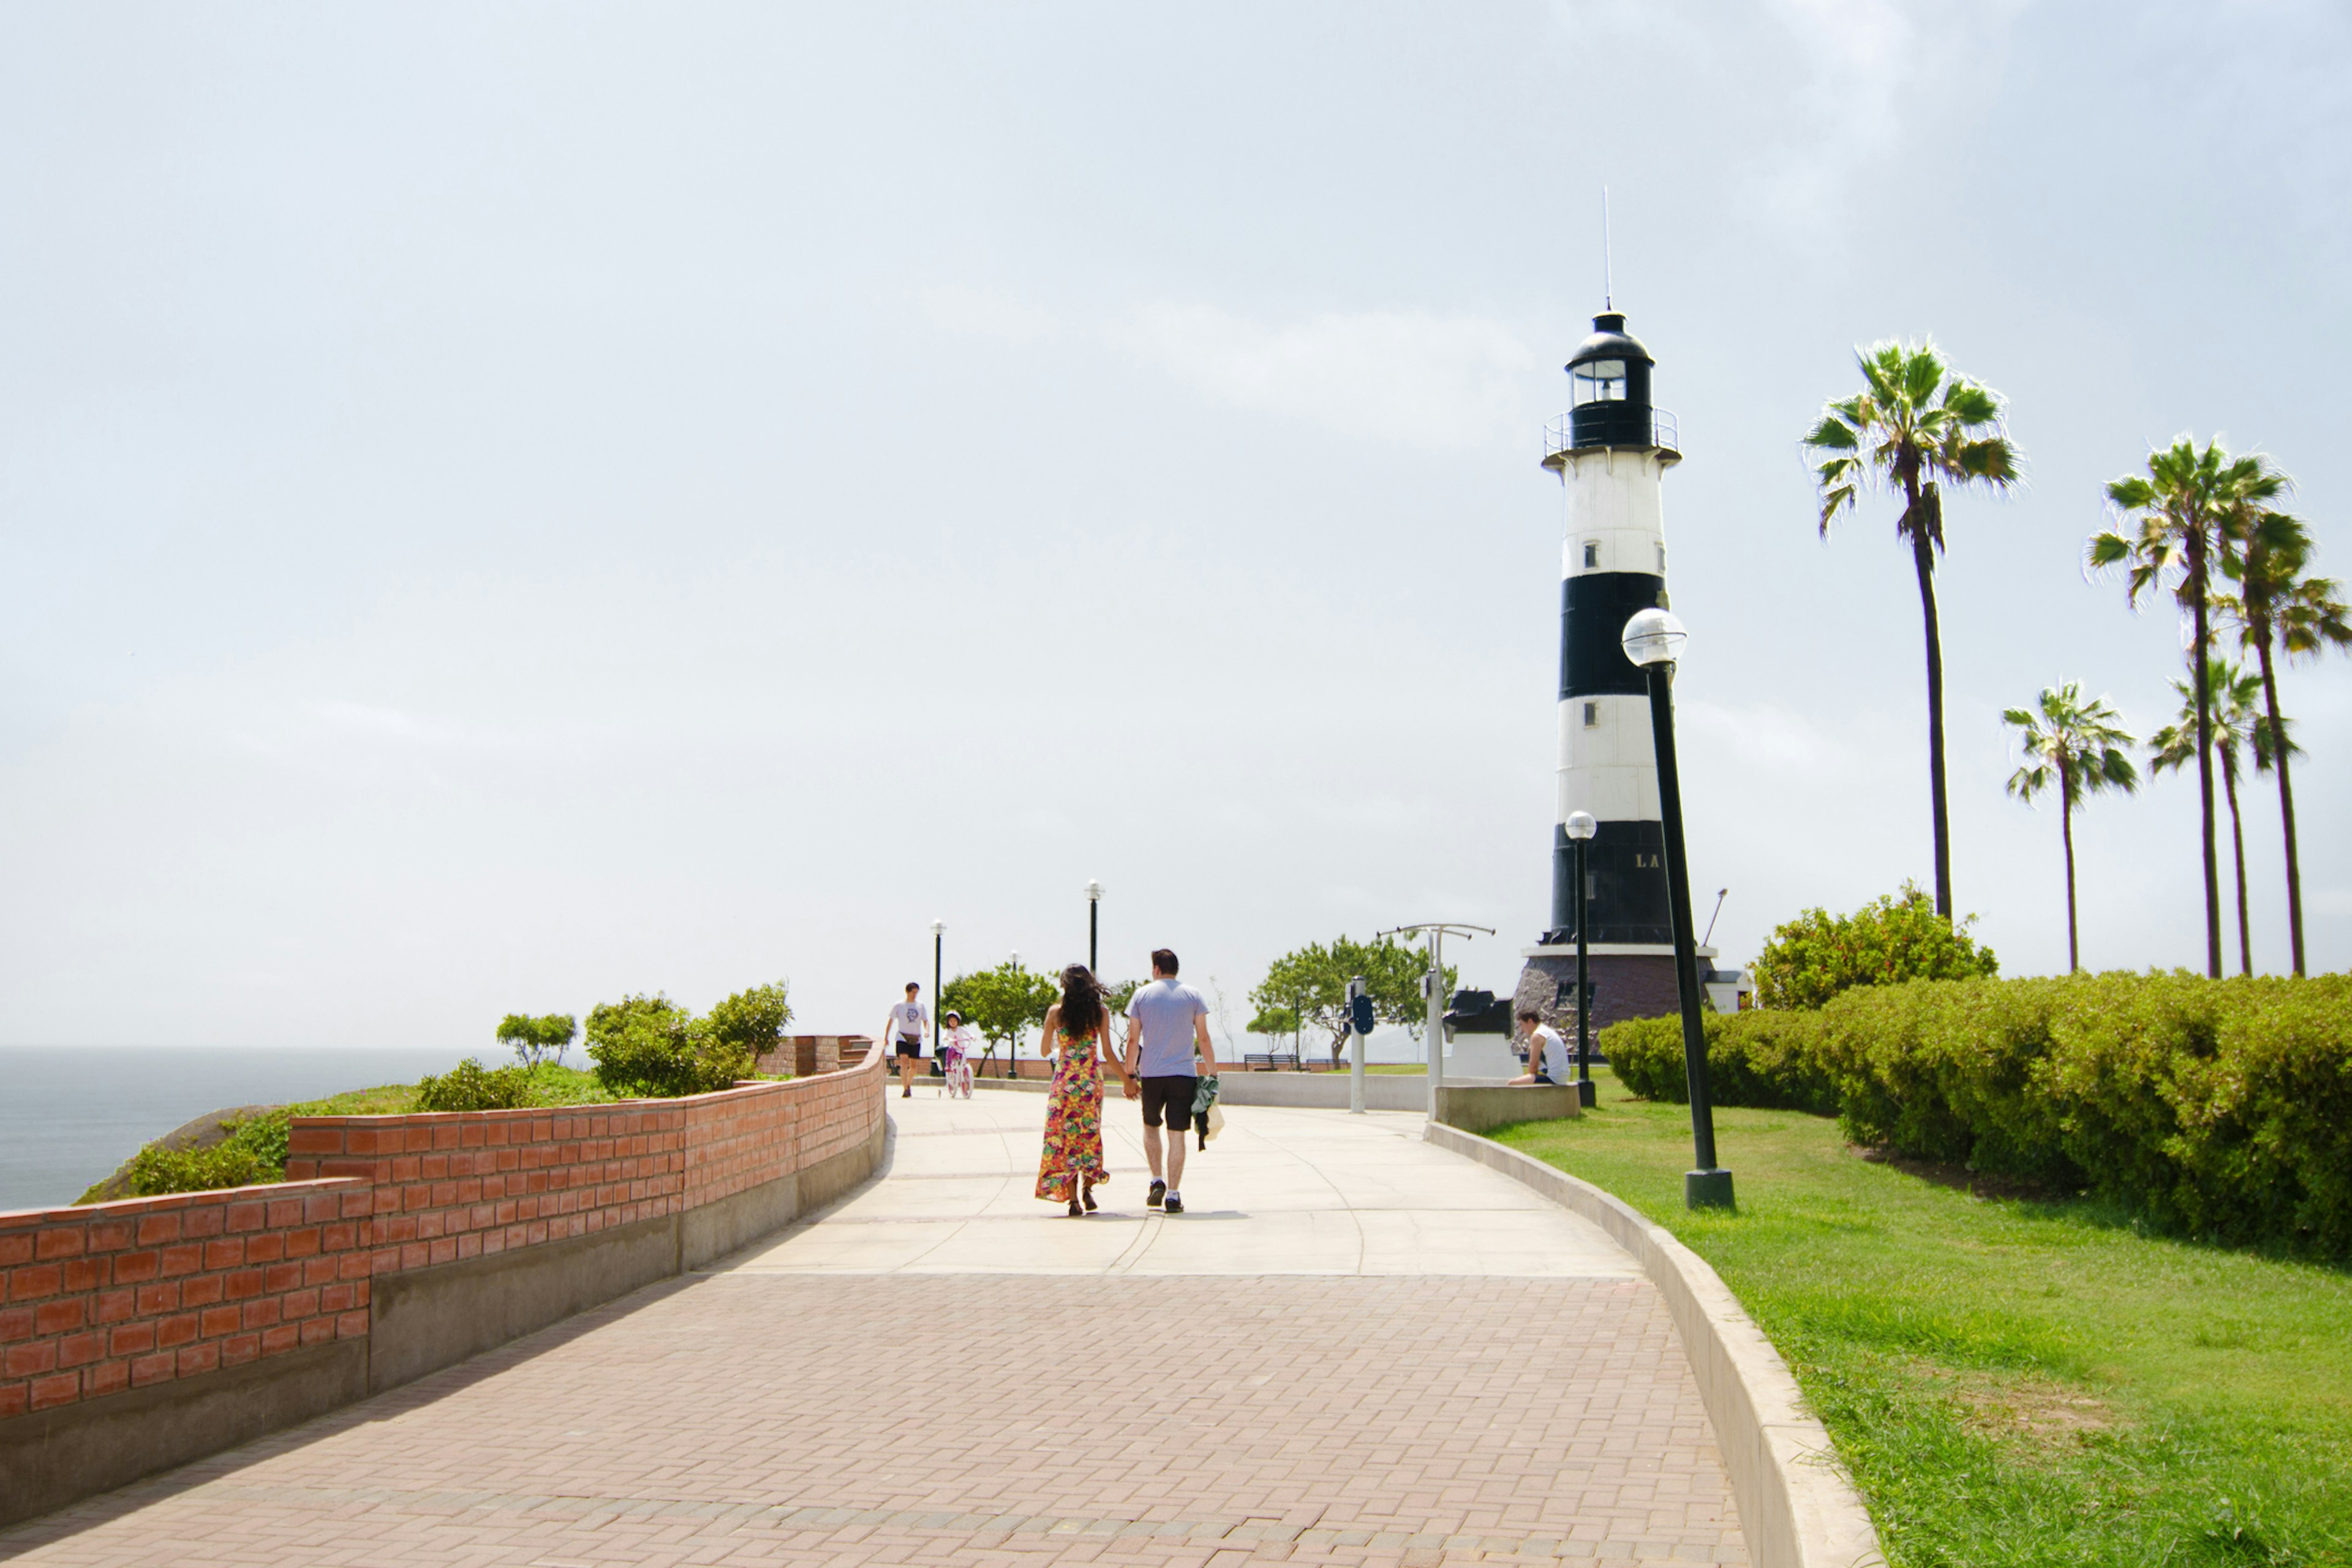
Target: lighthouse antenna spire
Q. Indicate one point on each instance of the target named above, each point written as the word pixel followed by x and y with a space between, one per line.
pixel 1607 302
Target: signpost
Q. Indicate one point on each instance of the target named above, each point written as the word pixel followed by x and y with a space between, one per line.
pixel 1360 1024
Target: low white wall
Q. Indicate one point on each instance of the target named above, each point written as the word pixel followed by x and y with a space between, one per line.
pixel 1323 1090
pixel 1797 1508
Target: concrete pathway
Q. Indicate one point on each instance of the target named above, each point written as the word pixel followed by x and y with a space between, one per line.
pixel 1279 1191
pixel 1354 1349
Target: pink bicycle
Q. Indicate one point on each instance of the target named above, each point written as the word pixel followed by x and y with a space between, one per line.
pixel 955 1070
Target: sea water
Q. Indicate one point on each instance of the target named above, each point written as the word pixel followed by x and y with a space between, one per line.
pixel 69 1115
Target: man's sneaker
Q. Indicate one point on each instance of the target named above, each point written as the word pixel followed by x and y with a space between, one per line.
pixel 1173 1205
pixel 1158 1190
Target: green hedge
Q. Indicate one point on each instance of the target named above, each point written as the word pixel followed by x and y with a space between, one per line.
pixel 2220 1108
pixel 1761 1058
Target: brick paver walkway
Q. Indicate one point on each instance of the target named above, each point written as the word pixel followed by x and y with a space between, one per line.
pixel 793 1407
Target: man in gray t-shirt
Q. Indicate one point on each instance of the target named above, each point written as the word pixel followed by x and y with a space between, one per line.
pixel 1166 1023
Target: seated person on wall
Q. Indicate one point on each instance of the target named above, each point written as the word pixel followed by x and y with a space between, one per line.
pixel 1546 1052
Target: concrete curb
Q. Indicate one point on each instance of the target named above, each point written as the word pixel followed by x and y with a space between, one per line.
pixel 1797 1508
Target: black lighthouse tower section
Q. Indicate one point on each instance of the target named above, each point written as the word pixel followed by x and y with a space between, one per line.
pixel 1609 380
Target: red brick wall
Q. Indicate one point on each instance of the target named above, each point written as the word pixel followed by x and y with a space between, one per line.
pixel 462 1184
pixel 112 1295
pixel 106 1297
pixel 805 1056
pixel 745 1136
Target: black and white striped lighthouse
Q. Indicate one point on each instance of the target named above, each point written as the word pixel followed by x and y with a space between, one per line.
pixel 1612 450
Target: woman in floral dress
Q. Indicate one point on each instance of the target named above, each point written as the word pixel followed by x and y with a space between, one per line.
pixel 1079 1027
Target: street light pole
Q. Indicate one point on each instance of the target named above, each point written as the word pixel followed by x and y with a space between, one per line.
pixel 1435 980
pixel 1580 827
pixel 1433 1018
pixel 938 929
pixel 1652 640
pixel 1094 929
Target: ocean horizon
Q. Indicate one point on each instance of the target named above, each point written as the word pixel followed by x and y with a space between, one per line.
pixel 70 1114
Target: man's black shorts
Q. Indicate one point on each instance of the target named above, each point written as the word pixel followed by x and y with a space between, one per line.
pixel 910 1047
pixel 1173 1096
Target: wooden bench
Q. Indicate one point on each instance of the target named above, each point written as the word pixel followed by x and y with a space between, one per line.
pixel 1268 1061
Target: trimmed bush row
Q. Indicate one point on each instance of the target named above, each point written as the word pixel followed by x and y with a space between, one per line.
pixel 2221 1108
pixel 1765 1059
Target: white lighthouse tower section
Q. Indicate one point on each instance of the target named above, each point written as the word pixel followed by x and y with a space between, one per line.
pixel 1616 522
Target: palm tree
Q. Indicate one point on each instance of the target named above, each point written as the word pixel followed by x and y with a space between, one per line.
pixel 1916 426
pixel 2278 603
pixel 2079 746
pixel 2175 519
pixel 2238 724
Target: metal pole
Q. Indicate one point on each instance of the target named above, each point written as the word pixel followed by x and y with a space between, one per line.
pixel 1708 1186
pixel 1436 1023
pixel 1586 1095
pixel 939 940
pixel 1094 938
pixel 1356 1064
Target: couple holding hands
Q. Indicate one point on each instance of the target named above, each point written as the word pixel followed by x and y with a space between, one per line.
pixel 1167 1029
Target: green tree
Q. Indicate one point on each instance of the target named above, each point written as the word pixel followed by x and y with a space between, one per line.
pixel 2174 521
pixel 2237 727
pixel 1274 1022
pixel 538 1039
pixel 2279 605
pixel 1311 986
pixel 1002 1003
pixel 2077 745
pixel 1888 941
pixel 752 1021
pixel 1916 426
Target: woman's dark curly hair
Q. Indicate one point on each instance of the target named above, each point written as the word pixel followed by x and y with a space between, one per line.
pixel 1082 1002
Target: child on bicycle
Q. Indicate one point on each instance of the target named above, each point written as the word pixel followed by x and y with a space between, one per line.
pixel 958 1041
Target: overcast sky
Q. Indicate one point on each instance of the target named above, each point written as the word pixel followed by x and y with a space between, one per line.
pixel 505 506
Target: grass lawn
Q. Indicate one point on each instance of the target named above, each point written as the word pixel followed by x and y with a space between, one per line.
pixel 2014 1381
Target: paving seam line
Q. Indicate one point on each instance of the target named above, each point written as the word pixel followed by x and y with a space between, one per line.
pixel 1798 1509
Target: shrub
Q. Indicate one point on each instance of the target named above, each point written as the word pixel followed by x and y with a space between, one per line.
pixel 469 1086
pixel 253 1152
pixel 651 1046
pixel 2221 1108
pixel 1888 942
pixel 1761 1058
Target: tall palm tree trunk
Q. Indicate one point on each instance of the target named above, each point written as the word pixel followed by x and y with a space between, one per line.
pixel 2286 799
pixel 2238 849
pixel 2066 832
pixel 1926 563
pixel 2200 637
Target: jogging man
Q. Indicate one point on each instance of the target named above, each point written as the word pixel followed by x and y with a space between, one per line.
pixel 904 1033
pixel 1546 1052
pixel 1167 1023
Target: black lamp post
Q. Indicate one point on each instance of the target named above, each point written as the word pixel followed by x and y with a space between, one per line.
pixel 939 930
pixel 1580 828
pixel 1094 929
pixel 1652 640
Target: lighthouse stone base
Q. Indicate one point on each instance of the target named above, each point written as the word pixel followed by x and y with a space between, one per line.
pixel 1628 982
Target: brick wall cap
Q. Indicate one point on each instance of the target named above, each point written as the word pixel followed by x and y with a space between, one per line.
pixel 77 1214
